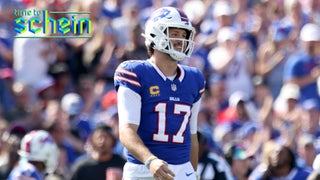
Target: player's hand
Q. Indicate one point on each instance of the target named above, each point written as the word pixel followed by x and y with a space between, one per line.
pixel 160 170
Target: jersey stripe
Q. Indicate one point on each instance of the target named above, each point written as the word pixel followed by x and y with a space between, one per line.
pixel 124 71
pixel 127 76
pixel 133 82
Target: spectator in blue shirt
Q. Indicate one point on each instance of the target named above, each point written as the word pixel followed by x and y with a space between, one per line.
pixel 303 68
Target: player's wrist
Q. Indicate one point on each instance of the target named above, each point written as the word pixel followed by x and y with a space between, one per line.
pixel 149 160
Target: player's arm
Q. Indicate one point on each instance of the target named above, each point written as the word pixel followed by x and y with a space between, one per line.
pixel 194 151
pixel 130 139
pixel 194 139
pixel 129 107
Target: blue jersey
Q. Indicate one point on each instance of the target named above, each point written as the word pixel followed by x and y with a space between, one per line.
pixel 165 107
pixel 25 170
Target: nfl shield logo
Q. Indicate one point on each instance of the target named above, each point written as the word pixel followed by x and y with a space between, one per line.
pixel 173 87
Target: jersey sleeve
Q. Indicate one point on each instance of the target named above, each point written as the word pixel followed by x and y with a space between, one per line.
pixel 126 76
pixel 129 105
pixel 194 117
pixel 201 84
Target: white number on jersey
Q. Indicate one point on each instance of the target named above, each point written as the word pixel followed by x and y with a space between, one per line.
pixel 178 109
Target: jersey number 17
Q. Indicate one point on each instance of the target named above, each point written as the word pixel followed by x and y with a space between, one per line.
pixel 179 109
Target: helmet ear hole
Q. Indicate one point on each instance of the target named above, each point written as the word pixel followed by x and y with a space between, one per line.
pixel 164 43
pixel 152 44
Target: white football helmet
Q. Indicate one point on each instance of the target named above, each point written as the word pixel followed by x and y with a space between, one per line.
pixel 38 145
pixel 157 29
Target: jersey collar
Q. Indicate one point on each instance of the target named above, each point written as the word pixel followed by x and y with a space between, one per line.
pixel 180 72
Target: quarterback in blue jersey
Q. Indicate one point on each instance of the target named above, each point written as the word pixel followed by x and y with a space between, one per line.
pixel 159 101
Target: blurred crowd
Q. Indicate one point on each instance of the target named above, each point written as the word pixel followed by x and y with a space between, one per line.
pixel 261 60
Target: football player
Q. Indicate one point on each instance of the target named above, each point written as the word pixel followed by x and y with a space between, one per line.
pixel 38 156
pixel 159 101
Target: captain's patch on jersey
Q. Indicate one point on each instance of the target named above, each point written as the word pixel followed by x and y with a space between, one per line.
pixel 154 91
